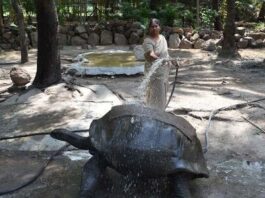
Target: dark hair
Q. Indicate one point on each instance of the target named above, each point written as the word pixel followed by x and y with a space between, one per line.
pixel 153 20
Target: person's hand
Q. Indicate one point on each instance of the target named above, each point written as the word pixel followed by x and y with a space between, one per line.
pixel 153 55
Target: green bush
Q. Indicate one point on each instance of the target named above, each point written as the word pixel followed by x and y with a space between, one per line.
pixel 245 10
pixel 207 17
pixel 176 15
pixel 141 13
pixel 260 26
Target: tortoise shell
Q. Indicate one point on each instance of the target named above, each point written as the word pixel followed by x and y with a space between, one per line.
pixel 139 140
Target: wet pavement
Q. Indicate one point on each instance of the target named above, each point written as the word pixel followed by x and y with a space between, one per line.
pixel 236 156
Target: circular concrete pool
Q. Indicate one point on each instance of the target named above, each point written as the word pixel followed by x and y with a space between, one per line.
pixel 110 62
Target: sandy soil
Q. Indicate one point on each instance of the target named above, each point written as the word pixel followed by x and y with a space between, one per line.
pixel 236 152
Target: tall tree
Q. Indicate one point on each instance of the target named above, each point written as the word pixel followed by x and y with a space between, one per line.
pixel 217 20
pixel 48 62
pixel 261 16
pixel 229 49
pixel 21 29
pixel 197 13
pixel 1 18
pixel 154 4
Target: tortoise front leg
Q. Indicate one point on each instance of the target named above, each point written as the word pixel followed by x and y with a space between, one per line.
pixel 92 173
pixel 180 186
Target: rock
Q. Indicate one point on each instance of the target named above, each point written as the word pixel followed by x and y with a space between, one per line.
pixel 237 37
pixel 188 35
pixel 62 39
pixel 128 33
pixel 86 46
pixel 106 37
pixel 177 30
pixel 120 29
pixel 131 47
pixel 13 27
pixel 215 34
pixel 209 45
pixel 63 29
pixel 136 25
pixel 71 33
pixel 249 39
pixel 219 41
pixel 72 71
pixel 256 35
pixel 139 52
pixel 134 38
pixel 241 30
pixel 206 37
pixel 108 26
pixel 195 37
pixel 203 32
pixel 84 36
pixel 167 30
pixel 34 39
pixel 187 30
pixel 140 32
pixel 120 39
pixel 80 29
pixel 7 35
pixel 256 44
pixel 198 43
pixel 93 39
pixel 242 43
pixel 31 28
pixel 259 43
pixel 76 40
pixel 19 76
pixel 218 49
pixel 5 46
pixel 174 41
pixel 185 44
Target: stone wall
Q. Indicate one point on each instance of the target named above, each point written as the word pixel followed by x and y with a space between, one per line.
pixel 131 33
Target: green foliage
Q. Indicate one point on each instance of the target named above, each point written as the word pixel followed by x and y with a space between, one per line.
pixel 6 7
pixel 223 11
pixel 245 10
pixel 169 14
pixel 189 16
pixel 176 15
pixel 29 6
pixel 207 17
pixel 140 13
pixel 260 26
pixel 182 13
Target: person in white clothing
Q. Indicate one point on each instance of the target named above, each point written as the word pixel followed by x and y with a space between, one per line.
pixel 155 47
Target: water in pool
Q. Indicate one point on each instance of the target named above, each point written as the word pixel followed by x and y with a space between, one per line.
pixel 117 59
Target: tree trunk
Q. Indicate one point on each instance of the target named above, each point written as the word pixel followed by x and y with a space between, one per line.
pixel 106 9
pixel 261 16
pixel 1 18
pixel 197 13
pixel 154 4
pixel 217 20
pixel 48 62
pixel 21 28
pixel 229 49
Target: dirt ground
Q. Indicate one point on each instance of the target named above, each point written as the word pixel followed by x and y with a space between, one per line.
pixel 236 152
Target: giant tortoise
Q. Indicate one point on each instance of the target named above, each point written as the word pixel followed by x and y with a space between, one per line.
pixel 143 142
